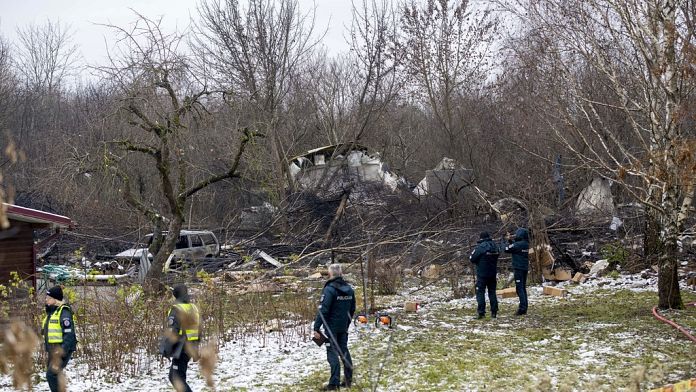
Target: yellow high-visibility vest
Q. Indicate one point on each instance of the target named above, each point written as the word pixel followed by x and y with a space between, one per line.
pixel 54 333
pixel 192 330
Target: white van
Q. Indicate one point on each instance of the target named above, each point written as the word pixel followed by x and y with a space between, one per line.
pixel 192 244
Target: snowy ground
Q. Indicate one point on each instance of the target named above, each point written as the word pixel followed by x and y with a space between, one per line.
pixel 601 337
pixel 252 365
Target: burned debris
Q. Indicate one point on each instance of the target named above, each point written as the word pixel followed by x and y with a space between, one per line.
pixel 347 207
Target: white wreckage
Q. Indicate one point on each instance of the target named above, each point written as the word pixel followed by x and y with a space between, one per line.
pixel 337 167
pixel 447 177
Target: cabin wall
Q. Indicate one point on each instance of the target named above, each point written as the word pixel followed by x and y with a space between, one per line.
pixel 16 251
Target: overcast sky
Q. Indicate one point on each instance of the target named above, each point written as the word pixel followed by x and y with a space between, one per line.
pixel 83 15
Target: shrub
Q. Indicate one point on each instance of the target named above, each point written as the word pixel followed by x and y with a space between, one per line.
pixel 615 253
pixel 460 279
pixel 388 276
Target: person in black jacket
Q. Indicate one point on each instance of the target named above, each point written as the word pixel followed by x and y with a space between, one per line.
pixel 335 315
pixel 519 248
pixel 58 329
pixel 485 257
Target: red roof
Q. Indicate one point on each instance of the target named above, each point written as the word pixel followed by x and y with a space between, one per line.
pixel 24 214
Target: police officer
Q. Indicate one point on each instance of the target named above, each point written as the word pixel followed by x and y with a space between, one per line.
pixel 335 315
pixel 183 322
pixel 519 248
pixel 485 257
pixel 58 329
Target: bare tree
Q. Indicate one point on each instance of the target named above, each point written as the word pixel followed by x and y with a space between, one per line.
pixel 45 55
pixel 353 91
pixel 254 52
pixel 162 101
pixel 626 59
pixel 447 45
pixel 377 53
pixel 332 98
pixel 43 58
pixel 8 152
pixel 7 82
pixel 6 73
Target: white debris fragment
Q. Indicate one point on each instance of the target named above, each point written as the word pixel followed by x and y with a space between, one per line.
pixel 599 266
pixel 616 223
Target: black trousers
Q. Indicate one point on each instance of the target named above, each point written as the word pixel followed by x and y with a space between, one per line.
pixel 52 374
pixel 177 371
pixel 483 284
pixel 336 355
pixel 521 289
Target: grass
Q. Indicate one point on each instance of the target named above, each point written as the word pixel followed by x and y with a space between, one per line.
pixel 595 339
pixel 604 340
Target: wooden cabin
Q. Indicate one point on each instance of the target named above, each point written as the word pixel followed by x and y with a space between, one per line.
pixel 17 246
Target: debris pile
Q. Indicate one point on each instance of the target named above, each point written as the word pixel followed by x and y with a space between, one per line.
pixel 332 169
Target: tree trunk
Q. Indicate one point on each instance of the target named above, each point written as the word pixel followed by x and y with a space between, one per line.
pixel 688 200
pixel 154 280
pixel 538 241
pixel 284 185
pixel 371 276
pixel 652 246
pixel 339 213
pixel 157 238
pixel 668 279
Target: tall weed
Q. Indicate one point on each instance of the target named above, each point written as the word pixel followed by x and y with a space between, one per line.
pixel 118 327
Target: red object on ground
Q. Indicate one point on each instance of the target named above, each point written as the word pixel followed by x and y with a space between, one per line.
pixel 672 323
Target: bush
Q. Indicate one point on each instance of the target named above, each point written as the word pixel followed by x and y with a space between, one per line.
pixel 615 253
pixel 388 276
pixel 460 279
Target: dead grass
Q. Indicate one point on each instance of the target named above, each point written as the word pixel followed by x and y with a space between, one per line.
pixel 19 345
pixel 119 327
pixel 602 340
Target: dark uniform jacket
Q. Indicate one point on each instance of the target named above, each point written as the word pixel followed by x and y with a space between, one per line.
pixel 520 250
pixel 485 257
pixel 67 324
pixel 337 306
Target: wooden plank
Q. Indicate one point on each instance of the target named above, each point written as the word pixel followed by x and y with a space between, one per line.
pixel 507 293
pixel 555 291
pixel 562 274
pixel 682 386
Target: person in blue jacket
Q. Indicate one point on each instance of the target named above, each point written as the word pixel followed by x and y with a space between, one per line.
pixel 485 257
pixel 519 249
pixel 335 315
